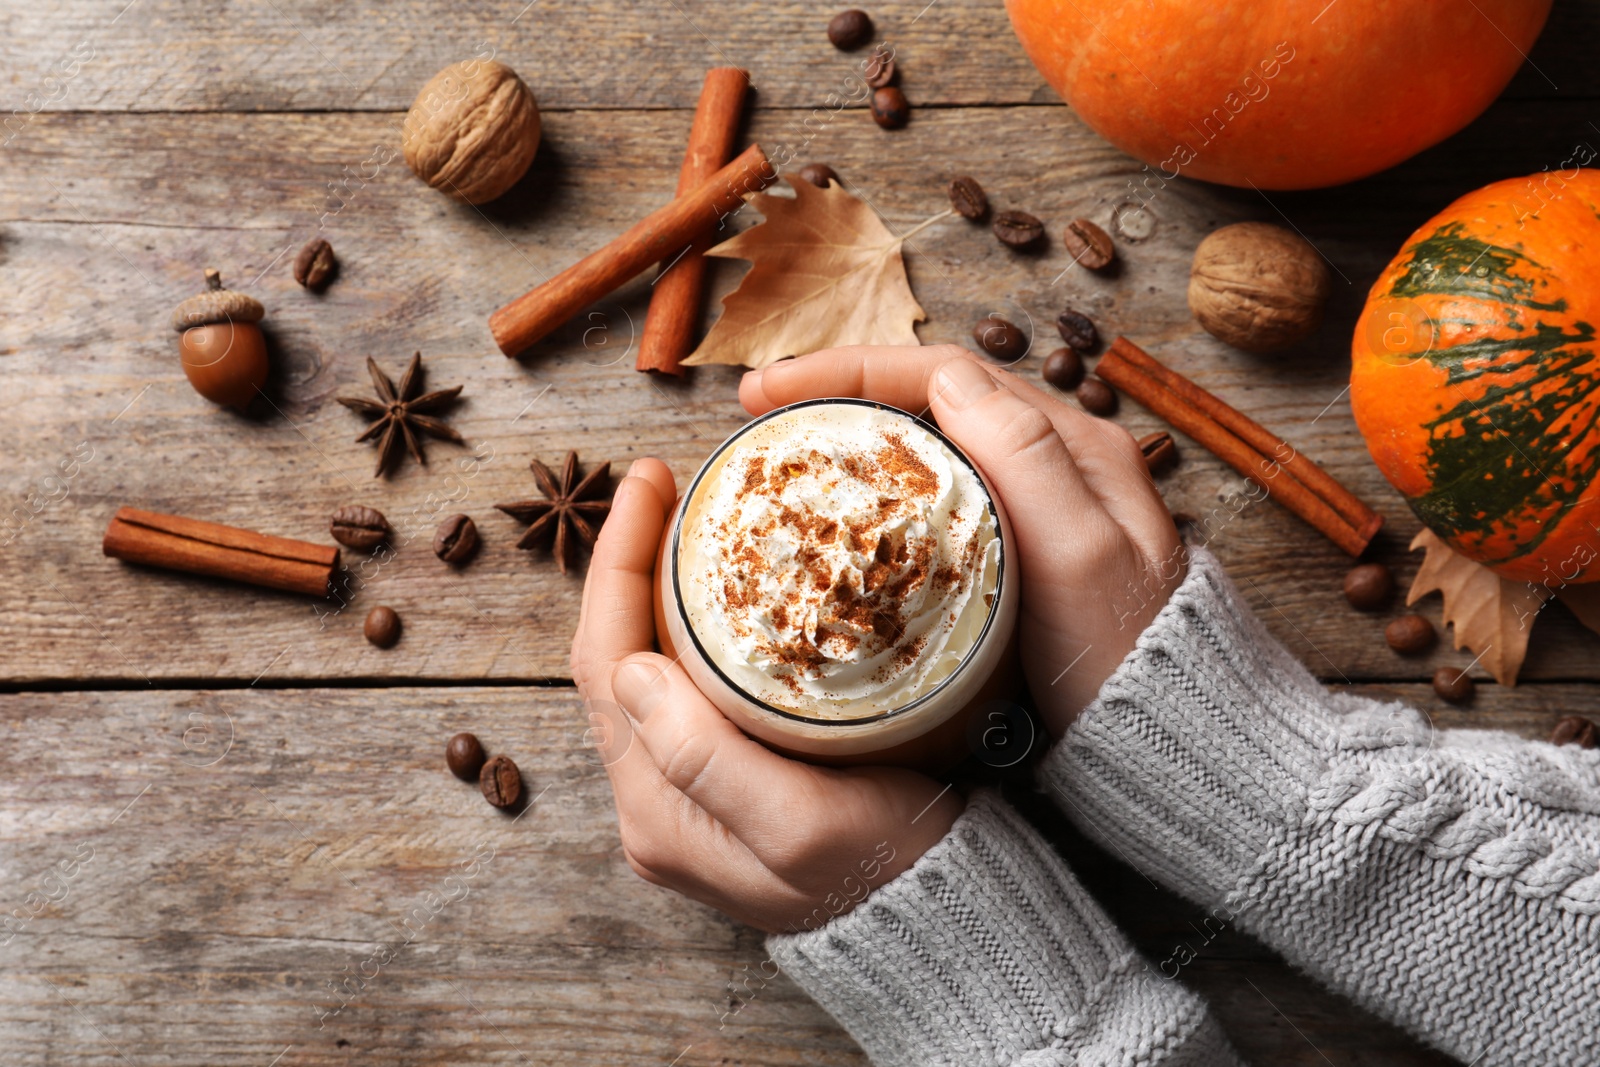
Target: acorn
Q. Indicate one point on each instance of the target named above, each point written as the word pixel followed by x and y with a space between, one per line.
pixel 224 354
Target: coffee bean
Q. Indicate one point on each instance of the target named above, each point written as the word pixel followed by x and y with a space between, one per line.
pixel 1160 452
pixel 1018 229
pixel 1576 730
pixel 315 265
pixel 1410 634
pixel 1000 338
pixel 455 539
pixel 1454 686
pixel 1063 369
pixel 463 754
pixel 968 198
pixel 1088 244
pixel 1097 398
pixel 382 627
pixel 850 29
pixel 890 109
pixel 880 69
pixel 500 782
pixel 1369 586
pixel 820 174
pixel 1077 329
pixel 357 526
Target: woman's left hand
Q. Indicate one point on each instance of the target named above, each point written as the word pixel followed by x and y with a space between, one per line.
pixel 702 808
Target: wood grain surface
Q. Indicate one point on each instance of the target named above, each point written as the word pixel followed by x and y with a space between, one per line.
pixel 251 797
pixel 309 55
pixel 218 876
pixel 110 219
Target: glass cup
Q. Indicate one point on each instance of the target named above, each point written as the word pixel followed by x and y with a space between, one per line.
pixel 929 729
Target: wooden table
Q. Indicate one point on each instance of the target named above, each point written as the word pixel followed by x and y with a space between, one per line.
pixel 268 863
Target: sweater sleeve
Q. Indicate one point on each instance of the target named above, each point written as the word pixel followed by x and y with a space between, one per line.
pixel 988 951
pixel 1446 880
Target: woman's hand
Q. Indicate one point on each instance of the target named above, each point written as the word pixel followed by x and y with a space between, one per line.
pixel 1098 552
pixel 702 808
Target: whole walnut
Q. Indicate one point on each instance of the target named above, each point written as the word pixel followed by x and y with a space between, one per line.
pixel 472 131
pixel 1258 286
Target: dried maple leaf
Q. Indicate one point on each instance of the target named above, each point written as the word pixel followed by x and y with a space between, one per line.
pixel 825 271
pixel 1584 602
pixel 1491 615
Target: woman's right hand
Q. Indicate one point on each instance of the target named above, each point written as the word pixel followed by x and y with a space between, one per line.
pixel 1098 552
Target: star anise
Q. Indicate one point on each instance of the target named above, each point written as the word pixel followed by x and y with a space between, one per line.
pixel 400 414
pixel 569 510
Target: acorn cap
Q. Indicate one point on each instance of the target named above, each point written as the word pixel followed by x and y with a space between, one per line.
pixel 216 304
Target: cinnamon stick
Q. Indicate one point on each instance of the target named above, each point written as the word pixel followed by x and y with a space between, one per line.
pixel 198 547
pixel 680 287
pixel 662 234
pixel 1346 503
pixel 1244 445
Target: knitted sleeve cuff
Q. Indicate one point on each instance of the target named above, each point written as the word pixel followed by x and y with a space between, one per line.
pixel 988 951
pixel 1196 759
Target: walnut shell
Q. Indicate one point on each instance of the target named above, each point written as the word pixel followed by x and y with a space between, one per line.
pixel 216 304
pixel 472 130
pixel 1257 286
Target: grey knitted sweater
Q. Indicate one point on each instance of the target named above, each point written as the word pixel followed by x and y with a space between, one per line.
pixel 1448 881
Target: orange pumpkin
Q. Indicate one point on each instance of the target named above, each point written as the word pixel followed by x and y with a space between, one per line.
pixel 1475 377
pixel 1276 93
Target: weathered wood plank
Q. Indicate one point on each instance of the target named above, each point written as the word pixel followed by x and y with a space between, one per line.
pixel 223 857
pixel 241 857
pixel 298 55
pixel 302 55
pixel 105 222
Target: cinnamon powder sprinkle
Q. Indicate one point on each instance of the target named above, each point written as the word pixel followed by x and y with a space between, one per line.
pixel 754 474
pixel 846 617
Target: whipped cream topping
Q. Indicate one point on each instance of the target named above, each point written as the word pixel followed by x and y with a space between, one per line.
pixel 838 560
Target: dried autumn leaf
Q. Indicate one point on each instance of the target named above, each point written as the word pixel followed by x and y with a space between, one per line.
pixel 1491 615
pixel 825 272
pixel 1584 602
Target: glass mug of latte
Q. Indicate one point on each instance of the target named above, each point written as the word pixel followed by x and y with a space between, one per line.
pixel 839 581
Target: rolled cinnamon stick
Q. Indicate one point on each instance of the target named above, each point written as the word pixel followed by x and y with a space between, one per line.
pixel 1346 503
pixel 660 235
pixel 1258 466
pixel 680 288
pixel 198 547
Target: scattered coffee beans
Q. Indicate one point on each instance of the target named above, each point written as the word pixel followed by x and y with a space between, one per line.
pixel 1018 229
pixel 820 174
pixel 1575 730
pixel 357 526
pixel 314 265
pixel 1453 685
pixel 1000 338
pixel 1077 329
pixel 1369 586
pixel 1410 634
pixel 500 782
pixel 1063 369
pixel 455 539
pixel 463 754
pixel 1088 244
pixel 850 29
pixel 968 198
pixel 890 109
pixel 1160 452
pixel 1097 398
pixel 880 69
pixel 382 626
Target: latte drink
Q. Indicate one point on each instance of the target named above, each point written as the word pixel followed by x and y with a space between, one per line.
pixel 835 581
